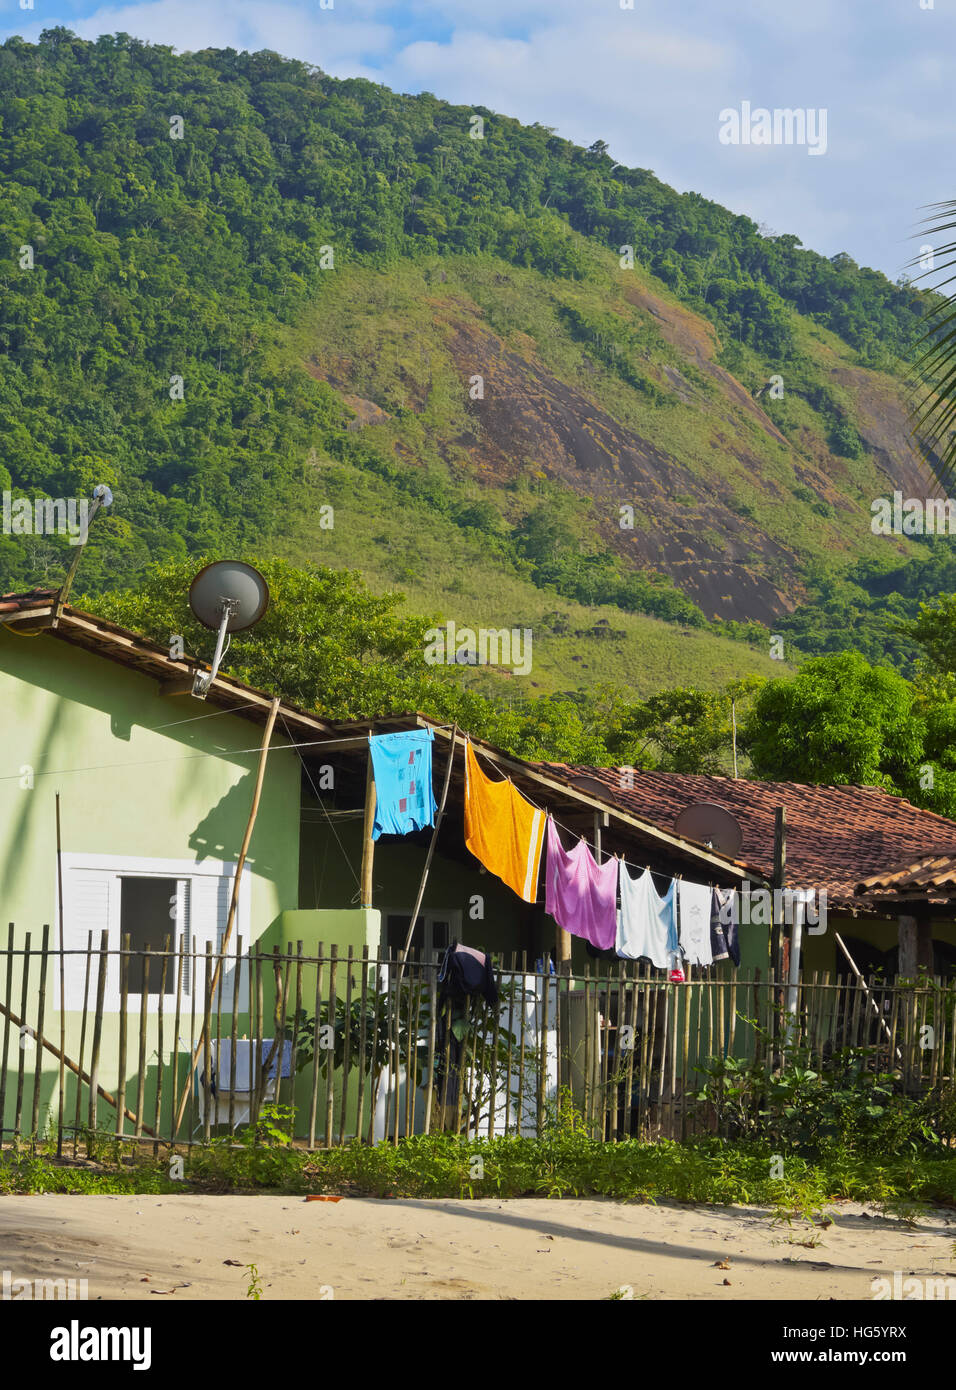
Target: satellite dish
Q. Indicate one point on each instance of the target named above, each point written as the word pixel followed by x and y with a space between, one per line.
pixel 228 596
pixel 710 825
pixel 592 786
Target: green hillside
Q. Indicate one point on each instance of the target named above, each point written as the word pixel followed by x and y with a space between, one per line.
pixel 288 307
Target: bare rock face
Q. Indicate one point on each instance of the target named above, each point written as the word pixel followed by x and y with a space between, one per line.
pixel 722 527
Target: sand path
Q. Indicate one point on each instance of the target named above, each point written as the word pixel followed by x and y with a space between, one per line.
pixel 133 1247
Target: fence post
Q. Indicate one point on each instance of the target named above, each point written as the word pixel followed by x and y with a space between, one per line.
pixel 41 1014
pixel 86 1009
pixel 97 1034
pixel 316 1033
pixel 333 1019
pixel 21 1054
pixel 5 1057
pixel 124 1003
pixel 145 962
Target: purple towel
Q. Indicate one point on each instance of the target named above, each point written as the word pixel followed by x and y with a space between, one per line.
pixel 580 894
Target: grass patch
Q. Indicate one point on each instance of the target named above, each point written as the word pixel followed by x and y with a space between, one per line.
pixel 707 1170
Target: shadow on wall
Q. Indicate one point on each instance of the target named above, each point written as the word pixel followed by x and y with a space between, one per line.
pixel 33 806
pixel 219 834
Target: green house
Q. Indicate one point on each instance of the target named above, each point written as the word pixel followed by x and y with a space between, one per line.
pixel 133 797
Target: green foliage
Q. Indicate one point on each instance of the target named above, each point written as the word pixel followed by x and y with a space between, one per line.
pixel 197 258
pixel 546 538
pixel 846 1108
pixel 709 1169
pixel 839 720
pixel 934 631
pixel 682 730
pixel 329 645
pixel 935 407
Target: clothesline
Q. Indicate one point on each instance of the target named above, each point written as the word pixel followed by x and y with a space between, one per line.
pixel 630 863
pixel 508 833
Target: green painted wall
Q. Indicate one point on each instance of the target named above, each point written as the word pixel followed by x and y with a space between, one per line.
pixel 345 927
pixel 821 952
pixel 138 776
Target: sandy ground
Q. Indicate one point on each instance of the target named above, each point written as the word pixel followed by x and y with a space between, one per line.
pixel 182 1247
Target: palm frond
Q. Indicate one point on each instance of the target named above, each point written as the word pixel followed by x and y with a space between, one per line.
pixel 933 414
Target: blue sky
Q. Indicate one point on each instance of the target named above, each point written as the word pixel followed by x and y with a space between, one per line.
pixel 651 81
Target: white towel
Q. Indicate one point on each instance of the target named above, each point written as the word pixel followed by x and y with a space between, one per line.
pixel 693 900
pixel 646 924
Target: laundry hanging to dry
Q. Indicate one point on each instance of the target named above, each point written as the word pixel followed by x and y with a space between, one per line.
pixel 503 829
pixel 402 765
pixel 647 922
pixel 581 894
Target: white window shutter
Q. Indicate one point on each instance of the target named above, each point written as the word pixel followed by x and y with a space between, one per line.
pixel 209 901
pixel 89 905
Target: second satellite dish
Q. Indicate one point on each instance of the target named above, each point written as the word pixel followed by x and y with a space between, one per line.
pixel 228 596
pixel 710 824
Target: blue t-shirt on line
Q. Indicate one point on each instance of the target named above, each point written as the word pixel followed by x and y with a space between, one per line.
pixel 402 766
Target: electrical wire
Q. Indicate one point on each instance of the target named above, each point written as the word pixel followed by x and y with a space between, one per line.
pixel 188 757
pixel 576 834
pixel 213 714
pixel 315 793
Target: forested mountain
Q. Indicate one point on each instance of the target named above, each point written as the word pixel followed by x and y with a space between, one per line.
pixel 535 387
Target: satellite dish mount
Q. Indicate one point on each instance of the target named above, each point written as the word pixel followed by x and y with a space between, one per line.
pixel 228 596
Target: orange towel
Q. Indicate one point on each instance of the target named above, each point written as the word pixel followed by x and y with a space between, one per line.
pixel 502 829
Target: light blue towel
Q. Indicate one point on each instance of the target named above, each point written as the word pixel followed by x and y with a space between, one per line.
pixel 646 922
pixel 402 764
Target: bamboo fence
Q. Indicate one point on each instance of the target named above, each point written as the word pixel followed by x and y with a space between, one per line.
pixel 335 1048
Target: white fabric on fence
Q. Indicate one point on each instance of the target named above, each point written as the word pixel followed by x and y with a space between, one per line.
pixel 693 901
pixel 221 1063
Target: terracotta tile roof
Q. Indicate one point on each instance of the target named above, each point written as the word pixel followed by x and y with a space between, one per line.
pixel 836 836
pixel 933 874
pixel 19 603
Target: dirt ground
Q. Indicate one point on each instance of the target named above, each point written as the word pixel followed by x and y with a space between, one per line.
pixel 199 1247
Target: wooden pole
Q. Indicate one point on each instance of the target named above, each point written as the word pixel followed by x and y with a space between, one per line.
pixel 62 1080
pixel 779 882
pixel 915 943
pixel 870 1000
pixel 67 1061
pixel 230 920
pixel 41 1007
pixel 368 844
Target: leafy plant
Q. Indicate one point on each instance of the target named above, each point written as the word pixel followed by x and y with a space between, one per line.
pixel 845 1106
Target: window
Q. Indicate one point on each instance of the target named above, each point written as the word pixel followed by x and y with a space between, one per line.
pixel 153 900
pixel 149 909
pixel 433 933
